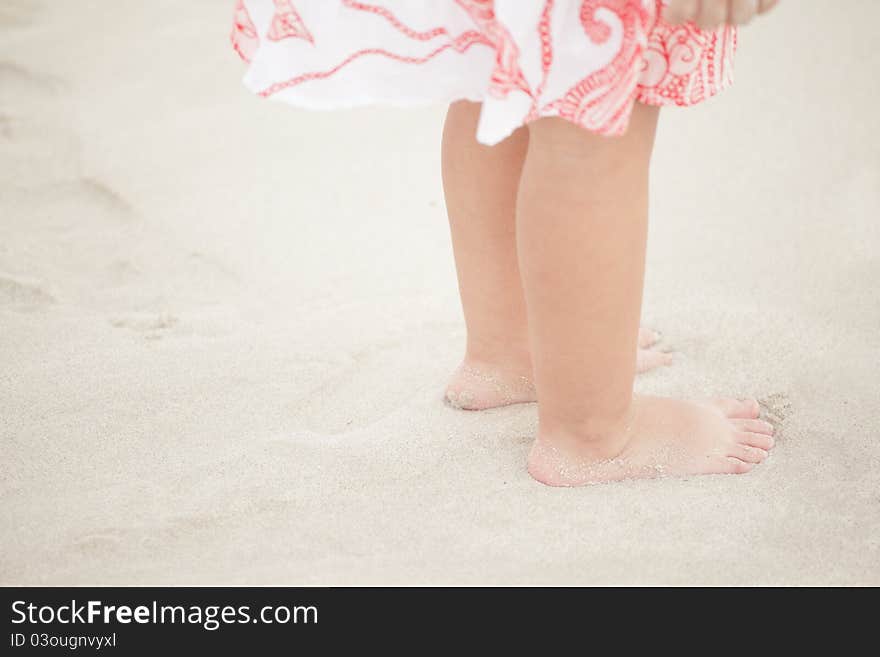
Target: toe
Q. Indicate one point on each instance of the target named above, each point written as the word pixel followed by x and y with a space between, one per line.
pixel 755 426
pixel 647 337
pixel 460 399
pixel 760 440
pixel 739 408
pixel 735 466
pixel 748 453
pixel 648 359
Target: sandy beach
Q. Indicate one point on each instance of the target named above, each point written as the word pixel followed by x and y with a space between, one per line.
pixel 212 372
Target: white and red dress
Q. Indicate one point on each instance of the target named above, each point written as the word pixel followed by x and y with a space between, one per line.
pixel 586 61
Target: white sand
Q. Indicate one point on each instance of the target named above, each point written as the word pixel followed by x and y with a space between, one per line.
pixel 225 325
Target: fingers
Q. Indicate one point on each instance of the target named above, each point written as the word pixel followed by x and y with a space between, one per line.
pixel 711 14
pixel 681 11
pixel 742 11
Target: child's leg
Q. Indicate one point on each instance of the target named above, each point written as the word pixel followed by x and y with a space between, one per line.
pixel 480 185
pixel 581 232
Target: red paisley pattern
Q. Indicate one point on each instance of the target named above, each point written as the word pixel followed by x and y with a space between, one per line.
pixel 506 75
pixel 244 34
pixel 287 24
pixel 586 61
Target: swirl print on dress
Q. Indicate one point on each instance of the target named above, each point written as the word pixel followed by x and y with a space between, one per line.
pixel 287 24
pixel 586 61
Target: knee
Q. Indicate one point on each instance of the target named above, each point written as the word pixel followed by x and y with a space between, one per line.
pixel 568 144
pixel 565 140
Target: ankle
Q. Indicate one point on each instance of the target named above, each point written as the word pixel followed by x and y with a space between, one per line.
pixel 595 437
pixel 478 385
pixel 510 357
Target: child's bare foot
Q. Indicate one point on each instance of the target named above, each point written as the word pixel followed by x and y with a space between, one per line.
pixel 663 437
pixel 480 386
pixel 648 358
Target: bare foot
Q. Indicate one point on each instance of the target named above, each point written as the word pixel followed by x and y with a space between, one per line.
pixel 480 386
pixel 663 437
pixel 648 358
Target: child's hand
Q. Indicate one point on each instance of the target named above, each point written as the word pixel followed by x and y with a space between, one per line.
pixel 709 14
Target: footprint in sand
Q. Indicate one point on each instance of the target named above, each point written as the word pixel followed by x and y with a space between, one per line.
pixel 153 326
pixel 23 294
pixel 65 232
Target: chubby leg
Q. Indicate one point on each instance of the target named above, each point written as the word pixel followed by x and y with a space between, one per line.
pixel 581 234
pixel 481 185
